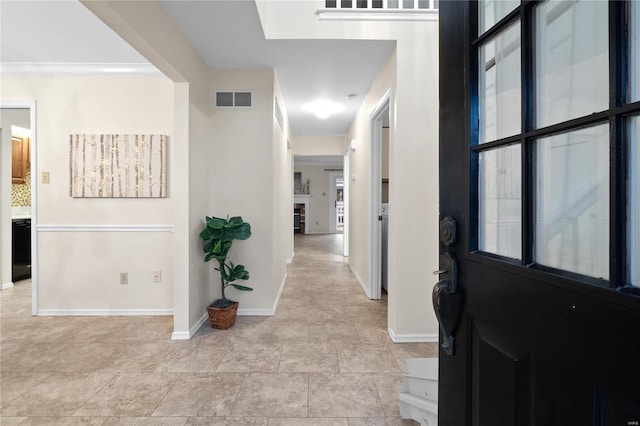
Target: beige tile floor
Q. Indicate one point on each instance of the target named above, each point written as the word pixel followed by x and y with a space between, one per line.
pixel 324 359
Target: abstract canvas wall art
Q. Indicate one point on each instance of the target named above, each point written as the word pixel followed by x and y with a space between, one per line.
pixel 118 166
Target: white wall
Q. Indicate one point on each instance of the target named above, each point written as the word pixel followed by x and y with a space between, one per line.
pixel 359 231
pixel 412 73
pixel 80 270
pixel 413 185
pixel 313 146
pixel 319 145
pixel 225 166
pixel 241 182
pixel 282 191
pixel 318 216
pixel 148 28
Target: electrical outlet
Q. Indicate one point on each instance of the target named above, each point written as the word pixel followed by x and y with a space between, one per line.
pixel 157 276
pixel 124 278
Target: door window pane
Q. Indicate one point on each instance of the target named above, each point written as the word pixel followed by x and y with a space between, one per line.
pixel 634 201
pixel 572 60
pixel 492 11
pixel 499 86
pixel 572 201
pixel 500 202
pixel 634 62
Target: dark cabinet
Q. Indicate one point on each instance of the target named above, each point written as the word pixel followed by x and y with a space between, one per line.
pixel 20 159
pixel 21 249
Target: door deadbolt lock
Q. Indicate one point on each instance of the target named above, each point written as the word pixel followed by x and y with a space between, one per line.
pixel 448 230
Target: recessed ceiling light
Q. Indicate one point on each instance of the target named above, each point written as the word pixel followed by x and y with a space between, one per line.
pixel 323 108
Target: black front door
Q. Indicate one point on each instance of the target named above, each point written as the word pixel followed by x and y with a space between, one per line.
pixel 540 169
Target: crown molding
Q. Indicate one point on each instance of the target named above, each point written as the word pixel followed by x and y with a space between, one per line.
pixel 78 69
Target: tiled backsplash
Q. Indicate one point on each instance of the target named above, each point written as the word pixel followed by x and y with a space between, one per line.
pixel 21 193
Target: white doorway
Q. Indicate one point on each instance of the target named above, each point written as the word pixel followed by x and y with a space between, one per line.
pixel 10 114
pixel 347 183
pixel 336 202
pixel 378 119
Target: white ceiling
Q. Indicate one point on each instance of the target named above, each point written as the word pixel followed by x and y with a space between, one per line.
pixel 226 34
pixel 59 32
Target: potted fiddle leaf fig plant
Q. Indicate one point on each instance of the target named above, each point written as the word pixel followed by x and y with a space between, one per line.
pixel 218 235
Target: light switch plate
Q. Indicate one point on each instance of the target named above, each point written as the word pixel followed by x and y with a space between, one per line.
pixel 45 177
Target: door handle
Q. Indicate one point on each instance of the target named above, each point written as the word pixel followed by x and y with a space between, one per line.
pixel 449 285
pixel 448 343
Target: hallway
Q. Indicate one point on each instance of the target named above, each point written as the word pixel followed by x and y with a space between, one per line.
pixel 325 358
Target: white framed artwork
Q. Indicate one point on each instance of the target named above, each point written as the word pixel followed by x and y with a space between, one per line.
pixel 118 166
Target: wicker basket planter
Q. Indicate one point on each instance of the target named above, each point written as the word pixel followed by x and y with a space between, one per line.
pixel 223 318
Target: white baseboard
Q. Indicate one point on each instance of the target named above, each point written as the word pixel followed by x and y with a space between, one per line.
pixel 6 286
pixel 362 284
pixel 104 312
pixel 413 338
pixel 180 335
pixel 186 335
pixel 290 260
pixel 265 312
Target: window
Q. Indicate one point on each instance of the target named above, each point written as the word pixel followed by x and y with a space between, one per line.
pixel 634 201
pixel 499 83
pixel 572 200
pixel 572 60
pixel 555 138
pixel 635 51
pixel 491 11
pixel 500 201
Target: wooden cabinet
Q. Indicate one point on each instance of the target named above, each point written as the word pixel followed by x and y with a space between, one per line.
pixel 20 159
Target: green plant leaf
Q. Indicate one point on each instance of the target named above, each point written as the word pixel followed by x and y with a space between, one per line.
pixel 217 248
pixel 218 235
pixel 236 220
pixel 243 231
pixel 241 287
pixel 216 223
pixel 205 234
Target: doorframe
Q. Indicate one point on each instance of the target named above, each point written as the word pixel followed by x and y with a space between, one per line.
pixel 347 183
pixel 33 146
pixel 375 194
pixel 333 196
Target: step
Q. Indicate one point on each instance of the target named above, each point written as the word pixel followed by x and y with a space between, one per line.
pixel 420 387
pixel 419 409
pixel 421 379
pixel 419 394
pixel 426 368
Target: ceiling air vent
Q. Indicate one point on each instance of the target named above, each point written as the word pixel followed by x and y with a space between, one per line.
pixel 233 99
